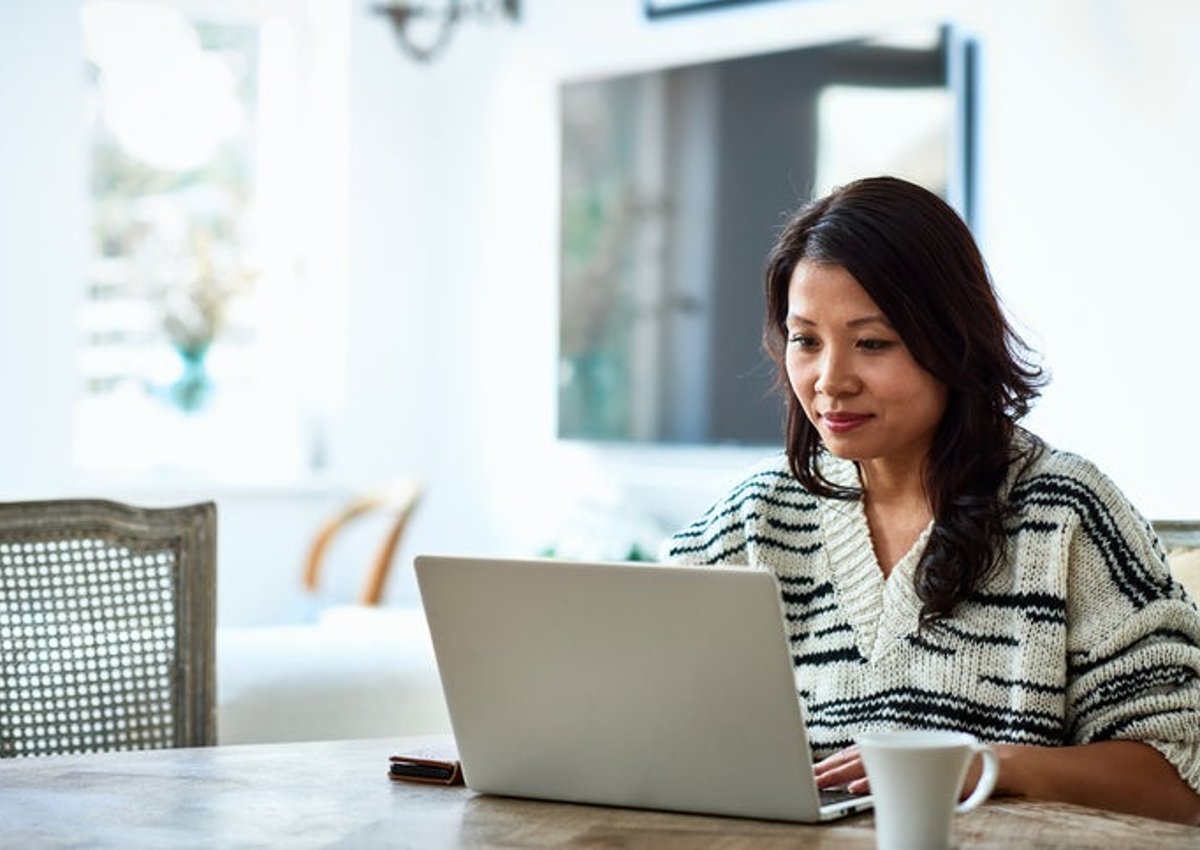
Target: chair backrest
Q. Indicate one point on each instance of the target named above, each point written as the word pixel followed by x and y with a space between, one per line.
pixel 399 499
pixel 1177 534
pixel 1181 540
pixel 107 626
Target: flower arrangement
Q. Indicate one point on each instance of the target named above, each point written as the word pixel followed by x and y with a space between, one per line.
pixel 195 304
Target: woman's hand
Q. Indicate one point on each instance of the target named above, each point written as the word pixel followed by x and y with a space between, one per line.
pixel 1122 776
pixel 843 769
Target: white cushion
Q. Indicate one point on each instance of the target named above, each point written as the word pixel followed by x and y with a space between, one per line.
pixel 355 673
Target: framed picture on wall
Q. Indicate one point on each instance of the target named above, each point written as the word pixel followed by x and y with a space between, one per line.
pixel 663 8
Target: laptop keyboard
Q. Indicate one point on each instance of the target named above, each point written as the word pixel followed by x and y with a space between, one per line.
pixel 836 795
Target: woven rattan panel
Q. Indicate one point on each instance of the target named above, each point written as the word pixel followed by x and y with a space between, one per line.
pixel 87 645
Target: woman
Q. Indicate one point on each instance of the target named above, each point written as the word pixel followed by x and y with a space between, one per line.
pixel 939 566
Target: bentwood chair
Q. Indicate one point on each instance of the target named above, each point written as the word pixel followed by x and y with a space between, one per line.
pixel 397 500
pixel 346 669
pixel 107 624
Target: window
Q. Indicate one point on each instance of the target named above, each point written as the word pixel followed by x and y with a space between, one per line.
pixel 902 131
pixel 674 184
pixel 198 352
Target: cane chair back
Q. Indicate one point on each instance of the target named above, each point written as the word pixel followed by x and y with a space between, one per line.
pixel 107 626
pixel 1181 540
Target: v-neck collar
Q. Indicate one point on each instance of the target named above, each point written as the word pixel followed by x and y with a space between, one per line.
pixel 880 610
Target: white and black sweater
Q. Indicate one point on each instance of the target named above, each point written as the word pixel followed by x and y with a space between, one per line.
pixel 1081 636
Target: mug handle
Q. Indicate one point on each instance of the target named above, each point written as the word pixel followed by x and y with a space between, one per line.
pixel 987 778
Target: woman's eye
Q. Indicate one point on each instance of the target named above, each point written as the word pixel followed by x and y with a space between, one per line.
pixel 875 344
pixel 802 341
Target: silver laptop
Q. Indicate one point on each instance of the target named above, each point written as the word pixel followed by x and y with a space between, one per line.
pixel 649 686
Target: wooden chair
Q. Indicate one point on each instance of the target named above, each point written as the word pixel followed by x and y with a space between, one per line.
pixel 1181 540
pixel 1177 534
pixel 107 622
pixel 356 670
pixel 399 499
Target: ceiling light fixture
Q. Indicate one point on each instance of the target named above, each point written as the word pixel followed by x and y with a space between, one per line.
pixel 423 29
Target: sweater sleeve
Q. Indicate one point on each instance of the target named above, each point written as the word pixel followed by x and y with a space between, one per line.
pixel 731 531
pixel 717 537
pixel 1133 636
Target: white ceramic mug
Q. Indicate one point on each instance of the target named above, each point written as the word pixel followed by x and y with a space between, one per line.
pixel 916 778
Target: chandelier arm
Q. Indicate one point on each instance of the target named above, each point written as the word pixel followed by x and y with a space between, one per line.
pixel 402 14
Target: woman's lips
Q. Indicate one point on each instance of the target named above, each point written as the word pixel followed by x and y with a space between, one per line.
pixel 840 423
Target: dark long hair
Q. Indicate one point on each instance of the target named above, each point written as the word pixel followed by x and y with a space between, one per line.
pixel 917 260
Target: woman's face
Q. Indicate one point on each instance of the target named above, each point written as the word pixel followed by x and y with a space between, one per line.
pixel 856 380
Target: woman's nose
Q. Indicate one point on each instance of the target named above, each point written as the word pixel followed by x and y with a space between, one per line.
pixel 835 378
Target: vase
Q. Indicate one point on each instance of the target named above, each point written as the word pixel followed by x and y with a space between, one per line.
pixel 193 389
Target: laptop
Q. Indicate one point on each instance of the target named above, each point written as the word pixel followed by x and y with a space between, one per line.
pixel 646 686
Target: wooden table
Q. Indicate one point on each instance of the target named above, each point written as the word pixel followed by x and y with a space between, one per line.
pixel 338 794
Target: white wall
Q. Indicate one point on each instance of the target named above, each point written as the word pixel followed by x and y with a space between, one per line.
pixel 42 238
pixel 1090 174
pixel 1089 117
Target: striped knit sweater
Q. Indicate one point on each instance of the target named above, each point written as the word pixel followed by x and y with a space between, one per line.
pixel 1081 636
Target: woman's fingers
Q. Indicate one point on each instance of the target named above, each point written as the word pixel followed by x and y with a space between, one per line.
pixel 843 769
